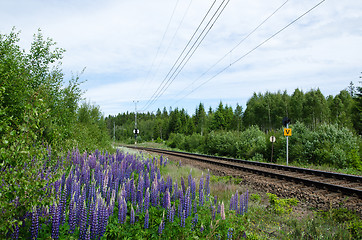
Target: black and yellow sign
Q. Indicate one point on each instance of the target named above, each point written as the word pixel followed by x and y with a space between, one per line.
pixel 287 132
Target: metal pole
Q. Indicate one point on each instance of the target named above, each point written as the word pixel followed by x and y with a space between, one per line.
pixel 287 147
pixel 135 122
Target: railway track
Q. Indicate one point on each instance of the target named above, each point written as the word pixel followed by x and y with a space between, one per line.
pixel 350 185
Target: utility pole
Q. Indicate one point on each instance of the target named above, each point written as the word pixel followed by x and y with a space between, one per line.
pixel 135 131
pixel 114 132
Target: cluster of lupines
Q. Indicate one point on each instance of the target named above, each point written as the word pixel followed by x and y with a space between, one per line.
pixel 85 197
pixel 239 203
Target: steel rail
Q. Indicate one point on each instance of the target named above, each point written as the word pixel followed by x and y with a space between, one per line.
pixel 308 182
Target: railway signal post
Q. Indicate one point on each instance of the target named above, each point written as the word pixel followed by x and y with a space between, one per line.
pixel 272 140
pixel 287 132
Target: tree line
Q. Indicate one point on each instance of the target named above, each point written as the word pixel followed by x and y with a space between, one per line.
pixel 263 110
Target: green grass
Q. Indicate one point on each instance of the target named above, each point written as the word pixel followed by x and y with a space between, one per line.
pixel 262 222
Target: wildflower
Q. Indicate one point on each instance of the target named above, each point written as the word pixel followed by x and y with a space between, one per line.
pixel 94 222
pixel 146 201
pixel 183 218
pixel 230 233
pixel 132 220
pixel 222 211
pixel 72 214
pixel 147 219
pixel 55 222
pixel 160 228
pixel 35 223
pixel 195 206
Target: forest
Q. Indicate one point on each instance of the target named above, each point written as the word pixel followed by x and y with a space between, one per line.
pixel 326 130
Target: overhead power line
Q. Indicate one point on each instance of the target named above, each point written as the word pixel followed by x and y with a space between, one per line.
pixel 256 47
pixel 165 84
pixel 237 45
pixel 159 47
pixel 155 93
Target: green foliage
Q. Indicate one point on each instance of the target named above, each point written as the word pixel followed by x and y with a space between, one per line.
pixel 346 217
pixel 255 197
pixel 281 206
pixel 328 144
pixel 38 116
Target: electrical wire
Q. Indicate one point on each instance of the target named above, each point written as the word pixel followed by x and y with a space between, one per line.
pixel 228 53
pixel 152 97
pixel 159 47
pixel 176 72
pixel 256 47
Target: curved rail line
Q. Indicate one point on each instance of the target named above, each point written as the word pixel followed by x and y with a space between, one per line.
pixel 335 182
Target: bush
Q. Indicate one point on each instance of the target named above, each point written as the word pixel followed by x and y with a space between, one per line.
pixel 327 145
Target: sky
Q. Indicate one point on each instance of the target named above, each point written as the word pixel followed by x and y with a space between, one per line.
pixel 132 50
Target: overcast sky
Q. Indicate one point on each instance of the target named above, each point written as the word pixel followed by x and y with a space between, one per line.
pixel 128 47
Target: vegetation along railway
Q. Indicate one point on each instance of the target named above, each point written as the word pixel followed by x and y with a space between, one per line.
pixel 335 183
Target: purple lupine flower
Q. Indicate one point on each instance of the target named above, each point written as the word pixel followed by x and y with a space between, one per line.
pixel 15 233
pixel 154 194
pixel 160 228
pixel 181 203
pixel 187 202
pixel 189 179
pixel 62 205
pixel 35 223
pixel 147 180
pixel 105 221
pixel 122 210
pixel 201 191
pixel 55 222
pixel 132 193
pixel 240 210
pixel 231 206
pixel 230 233
pixel 183 218
pixel 179 210
pixel 88 234
pixel 146 201
pixel 194 221
pixel 175 193
pixel 218 208
pixel 161 160
pixel 169 184
pixel 183 185
pixel 147 220
pixel 171 213
pixel 158 173
pixel 83 221
pixel 213 212
pixel 132 220
pixel 162 225
pixel 72 214
pixel 94 223
pixel 202 228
